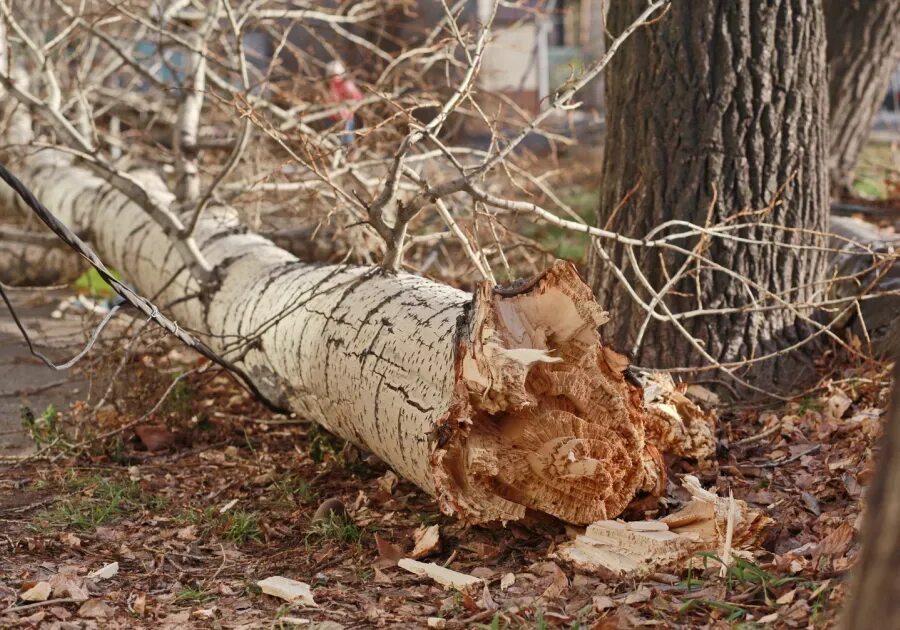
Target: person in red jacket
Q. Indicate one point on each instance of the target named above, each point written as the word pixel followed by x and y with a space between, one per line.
pixel 342 89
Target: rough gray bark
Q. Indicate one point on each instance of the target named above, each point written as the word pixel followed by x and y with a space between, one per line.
pixel 717 109
pixel 863 50
pixel 875 593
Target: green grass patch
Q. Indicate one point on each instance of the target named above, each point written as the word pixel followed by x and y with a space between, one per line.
pixel 238 526
pixel 564 243
pixel 874 170
pixel 93 501
pixel 323 445
pixel 496 623
pixel 337 527
pixel 180 399
pixel 44 429
pixel 733 612
pixel 241 526
pixel 743 577
pixel 293 488
pixel 193 595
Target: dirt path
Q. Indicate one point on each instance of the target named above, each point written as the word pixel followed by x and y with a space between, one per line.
pixel 24 379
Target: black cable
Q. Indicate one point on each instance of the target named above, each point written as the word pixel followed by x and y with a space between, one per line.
pixel 138 301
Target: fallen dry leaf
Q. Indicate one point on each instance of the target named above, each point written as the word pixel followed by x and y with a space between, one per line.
pixel 638 596
pixel 389 554
pixel 95 609
pixel 69 539
pixel 188 533
pixel 287 589
pixel 177 620
pixel 204 613
pixel 603 602
pixel 483 550
pixel 67 584
pixel 33 620
pixel 60 613
pixel 155 437
pixel 837 404
pixel 558 582
pixel 836 543
pixel 388 482
pixel 139 606
pixel 486 602
pixel 787 598
pixel 507 580
pixel 38 593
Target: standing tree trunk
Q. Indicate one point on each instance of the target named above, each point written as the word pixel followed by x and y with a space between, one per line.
pixel 863 50
pixel 718 109
pixel 875 594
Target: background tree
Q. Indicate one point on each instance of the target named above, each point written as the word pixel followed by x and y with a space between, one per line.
pixel 717 114
pixel 863 50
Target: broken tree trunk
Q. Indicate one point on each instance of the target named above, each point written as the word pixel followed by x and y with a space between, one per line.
pixel 494 403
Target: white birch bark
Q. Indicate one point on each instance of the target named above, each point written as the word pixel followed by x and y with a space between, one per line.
pixel 187 168
pixel 494 404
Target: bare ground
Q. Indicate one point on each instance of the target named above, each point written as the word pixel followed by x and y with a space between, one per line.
pixel 211 493
pixel 24 379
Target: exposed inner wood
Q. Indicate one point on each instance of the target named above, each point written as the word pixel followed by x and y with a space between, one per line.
pixel 549 421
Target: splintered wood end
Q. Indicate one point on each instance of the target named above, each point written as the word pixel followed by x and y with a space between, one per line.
pixel 544 417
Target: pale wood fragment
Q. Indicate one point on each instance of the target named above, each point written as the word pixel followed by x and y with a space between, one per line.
pixel 635 549
pixel 287 589
pixel 442 575
pixel 427 541
pixel 37 593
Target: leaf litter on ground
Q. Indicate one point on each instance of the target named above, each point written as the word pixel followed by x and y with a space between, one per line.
pixel 156 513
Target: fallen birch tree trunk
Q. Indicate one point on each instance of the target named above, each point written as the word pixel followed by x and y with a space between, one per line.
pixel 494 403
